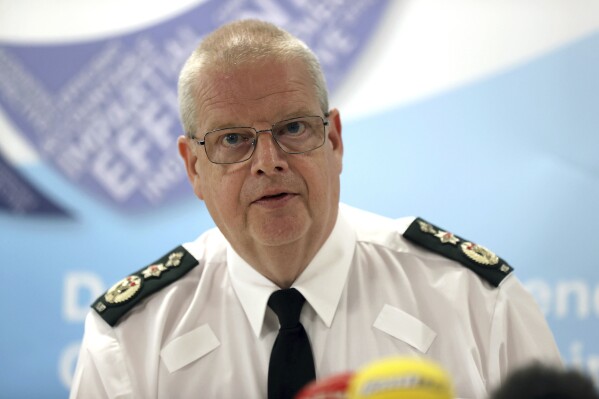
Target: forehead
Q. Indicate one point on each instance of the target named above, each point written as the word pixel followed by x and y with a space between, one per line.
pixel 255 93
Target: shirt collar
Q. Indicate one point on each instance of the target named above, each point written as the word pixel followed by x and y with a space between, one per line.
pixel 321 283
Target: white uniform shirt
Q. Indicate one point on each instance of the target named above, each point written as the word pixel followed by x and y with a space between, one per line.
pixel 369 293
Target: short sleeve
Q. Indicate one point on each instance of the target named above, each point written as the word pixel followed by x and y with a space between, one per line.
pixel 101 370
pixel 519 333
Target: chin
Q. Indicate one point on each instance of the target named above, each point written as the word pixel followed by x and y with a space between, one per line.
pixel 281 231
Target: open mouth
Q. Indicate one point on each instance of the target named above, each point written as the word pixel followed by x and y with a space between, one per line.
pixel 275 200
pixel 274 196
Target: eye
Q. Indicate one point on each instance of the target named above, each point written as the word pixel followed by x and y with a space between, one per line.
pixel 293 128
pixel 233 140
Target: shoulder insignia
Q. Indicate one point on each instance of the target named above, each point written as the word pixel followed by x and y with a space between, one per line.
pixel 124 295
pixel 474 256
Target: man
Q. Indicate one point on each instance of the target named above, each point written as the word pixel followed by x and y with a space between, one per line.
pixel 264 152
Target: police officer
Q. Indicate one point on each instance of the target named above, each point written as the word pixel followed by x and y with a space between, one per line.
pixel 213 317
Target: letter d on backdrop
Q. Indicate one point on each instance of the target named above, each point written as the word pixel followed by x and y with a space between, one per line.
pixel 80 289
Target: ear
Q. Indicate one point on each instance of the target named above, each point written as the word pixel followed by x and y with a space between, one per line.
pixel 190 160
pixel 335 135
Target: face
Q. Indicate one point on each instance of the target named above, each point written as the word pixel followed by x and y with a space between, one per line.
pixel 273 199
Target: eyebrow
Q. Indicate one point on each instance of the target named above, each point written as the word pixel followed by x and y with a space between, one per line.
pixel 295 114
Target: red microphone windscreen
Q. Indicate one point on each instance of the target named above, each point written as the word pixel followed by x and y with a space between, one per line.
pixel 332 387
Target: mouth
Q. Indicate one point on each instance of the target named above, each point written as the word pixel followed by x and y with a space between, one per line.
pixel 275 199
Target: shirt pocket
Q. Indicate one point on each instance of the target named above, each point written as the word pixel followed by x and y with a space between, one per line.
pixel 188 347
pixel 405 327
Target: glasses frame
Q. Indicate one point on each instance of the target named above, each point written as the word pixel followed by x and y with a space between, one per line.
pixel 325 123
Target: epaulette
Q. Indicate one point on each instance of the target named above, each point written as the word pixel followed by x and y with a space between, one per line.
pixel 475 257
pixel 124 295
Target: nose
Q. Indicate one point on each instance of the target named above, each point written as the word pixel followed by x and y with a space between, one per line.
pixel 268 157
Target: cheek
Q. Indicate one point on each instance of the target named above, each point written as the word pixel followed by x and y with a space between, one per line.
pixel 332 178
pixel 321 183
pixel 210 178
pixel 203 181
pixel 219 190
pixel 197 188
pixel 200 183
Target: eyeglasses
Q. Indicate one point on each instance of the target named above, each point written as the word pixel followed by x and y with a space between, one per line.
pixel 237 144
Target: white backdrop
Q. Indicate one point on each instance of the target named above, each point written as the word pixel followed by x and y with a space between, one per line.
pixel 479 116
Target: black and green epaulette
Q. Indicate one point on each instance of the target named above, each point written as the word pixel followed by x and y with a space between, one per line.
pixel 475 257
pixel 124 295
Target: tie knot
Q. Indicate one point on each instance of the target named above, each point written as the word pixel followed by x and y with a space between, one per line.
pixel 287 304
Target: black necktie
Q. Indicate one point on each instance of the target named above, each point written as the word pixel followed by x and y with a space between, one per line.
pixel 291 362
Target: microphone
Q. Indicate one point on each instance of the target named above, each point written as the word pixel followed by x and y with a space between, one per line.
pixel 401 378
pixel 332 387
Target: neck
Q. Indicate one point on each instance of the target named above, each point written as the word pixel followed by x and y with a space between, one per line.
pixel 283 264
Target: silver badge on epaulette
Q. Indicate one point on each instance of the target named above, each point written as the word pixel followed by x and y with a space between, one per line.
pixel 479 254
pixel 447 237
pixel 426 228
pixel 123 290
pixel 153 270
pixel 174 259
pixel 100 307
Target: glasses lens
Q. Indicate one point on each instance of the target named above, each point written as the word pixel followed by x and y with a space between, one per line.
pixel 229 145
pixel 299 134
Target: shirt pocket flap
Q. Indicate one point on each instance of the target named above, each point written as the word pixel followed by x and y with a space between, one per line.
pixel 405 327
pixel 189 347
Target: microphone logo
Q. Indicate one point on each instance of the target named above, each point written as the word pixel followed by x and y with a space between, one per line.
pixel 400 377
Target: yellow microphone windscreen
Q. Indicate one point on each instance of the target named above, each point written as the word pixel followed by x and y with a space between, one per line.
pixel 401 378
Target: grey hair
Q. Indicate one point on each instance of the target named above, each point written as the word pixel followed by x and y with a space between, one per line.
pixel 237 43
